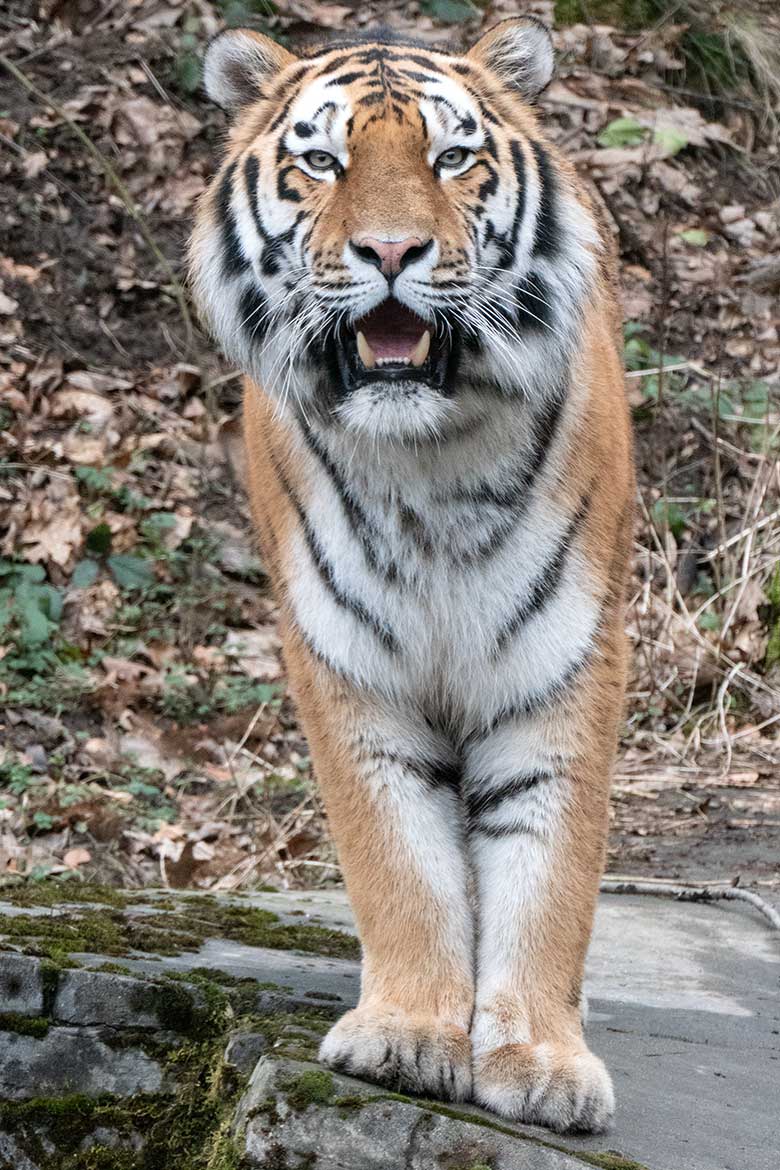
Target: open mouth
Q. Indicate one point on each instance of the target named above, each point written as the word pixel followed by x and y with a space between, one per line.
pixel 392 344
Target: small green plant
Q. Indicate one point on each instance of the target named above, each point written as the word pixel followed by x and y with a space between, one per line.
pixel 772 657
pixel 29 606
pixel 16 777
pixel 628 132
pixel 450 11
pixel 622 132
pixel 188 699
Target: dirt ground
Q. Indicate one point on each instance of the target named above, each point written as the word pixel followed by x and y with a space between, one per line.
pixel 146 733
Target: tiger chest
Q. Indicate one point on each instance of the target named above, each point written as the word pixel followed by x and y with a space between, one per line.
pixel 409 596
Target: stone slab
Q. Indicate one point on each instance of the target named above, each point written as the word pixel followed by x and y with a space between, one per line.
pixel 684 1007
pixel 118 1001
pixel 73 1060
pixel 360 1128
pixel 21 985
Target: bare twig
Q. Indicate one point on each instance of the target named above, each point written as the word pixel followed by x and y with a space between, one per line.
pixel 681 893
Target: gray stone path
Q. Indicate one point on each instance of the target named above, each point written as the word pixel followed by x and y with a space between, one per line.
pixel 684 1007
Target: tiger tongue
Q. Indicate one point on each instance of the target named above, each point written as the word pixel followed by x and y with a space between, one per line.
pixel 392 333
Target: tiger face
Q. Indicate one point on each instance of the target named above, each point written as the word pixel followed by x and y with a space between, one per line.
pixel 387 241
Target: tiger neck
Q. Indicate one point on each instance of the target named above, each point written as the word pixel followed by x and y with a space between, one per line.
pixel 457 495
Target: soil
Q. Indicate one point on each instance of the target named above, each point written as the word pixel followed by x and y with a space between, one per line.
pixel 103 302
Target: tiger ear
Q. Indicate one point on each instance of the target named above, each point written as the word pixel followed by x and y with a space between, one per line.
pixel 520 51
pixel 237 63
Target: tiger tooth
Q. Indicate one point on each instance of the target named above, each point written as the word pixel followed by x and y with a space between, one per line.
pixel 420 351
pixel 367 355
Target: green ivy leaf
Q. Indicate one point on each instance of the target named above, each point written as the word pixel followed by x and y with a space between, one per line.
pixel 622 132
pixel 84 574
pixel 667 515
pixel 131 572
pixel 670 139
pixel 449 11
pixel 189 72
pixel 709 620
pixel 695 236
pixel 99 539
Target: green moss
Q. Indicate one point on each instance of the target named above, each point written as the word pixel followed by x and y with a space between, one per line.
pixel 57 937
pixel 51 893
pixel 111 969
pixel 253 926
pixel 179 1010
pixel 773 644
pixel 23 1025
pixel 102 1158
pixel 112 932
pixel 610 1160
pixel 628 14
pixel 224 1153
pixel 190 1128
pixel 313 1087
pixel 350 1104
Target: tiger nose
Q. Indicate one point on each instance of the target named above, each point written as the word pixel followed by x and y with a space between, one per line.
pixel 390 256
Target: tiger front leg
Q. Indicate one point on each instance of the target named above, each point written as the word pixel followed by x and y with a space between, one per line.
pixel 390 794
pixel 537 826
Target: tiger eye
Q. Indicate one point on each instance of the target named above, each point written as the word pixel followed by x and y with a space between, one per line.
pixel 454 157
pixel 320 160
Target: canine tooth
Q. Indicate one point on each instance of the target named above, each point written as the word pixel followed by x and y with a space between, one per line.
pixel 420 351
pixel 367 355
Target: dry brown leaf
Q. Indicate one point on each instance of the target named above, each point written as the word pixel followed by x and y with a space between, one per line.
pixel 257 652
pixel 76 857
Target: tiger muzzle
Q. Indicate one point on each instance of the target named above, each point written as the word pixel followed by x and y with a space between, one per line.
pixel 391 345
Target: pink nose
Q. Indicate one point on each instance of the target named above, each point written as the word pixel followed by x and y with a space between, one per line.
pixel 390 256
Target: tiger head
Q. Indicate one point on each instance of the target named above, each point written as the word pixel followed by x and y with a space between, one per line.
pixel 390 239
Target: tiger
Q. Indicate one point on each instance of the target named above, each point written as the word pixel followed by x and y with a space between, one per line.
pixel 422 298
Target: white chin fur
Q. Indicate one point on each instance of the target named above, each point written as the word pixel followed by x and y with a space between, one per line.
pixel 406 411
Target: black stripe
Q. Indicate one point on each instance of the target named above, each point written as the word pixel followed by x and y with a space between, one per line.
pixel 287 98
pixel 546 585
pixel 437 774
pixel 346 78
pixel 413 526
pixel 554 692
pixel 497 832
pixel 272 245
pixel 446 775
pixel 479 803
pixel 507 244
pixel 283 188
pixel 534 307
pixel 422 78
pixel 547 233
pixel 234 262
pixel 516 495
pixel 325 571
pixel 253 310
pixel 544 427
pixel 489 185
pixel 303 129
pixel 362 527
pixel 541 700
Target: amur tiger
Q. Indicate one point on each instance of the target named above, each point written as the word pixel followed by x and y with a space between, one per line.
pixel 421 296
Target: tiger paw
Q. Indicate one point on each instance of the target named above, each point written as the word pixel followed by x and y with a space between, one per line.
pixel 549 1084
pixel 415 1054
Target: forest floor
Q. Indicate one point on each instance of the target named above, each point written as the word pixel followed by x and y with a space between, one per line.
pixel 146 733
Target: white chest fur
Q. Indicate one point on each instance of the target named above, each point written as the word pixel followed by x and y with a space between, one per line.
pixel 448 576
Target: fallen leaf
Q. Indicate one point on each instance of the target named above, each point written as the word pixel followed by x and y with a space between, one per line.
pixel 76 857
